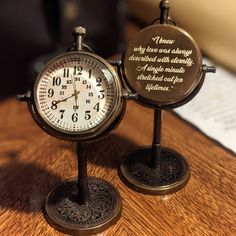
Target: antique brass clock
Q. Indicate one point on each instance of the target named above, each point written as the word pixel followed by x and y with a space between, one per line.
pixel 162 64
pixel 78 96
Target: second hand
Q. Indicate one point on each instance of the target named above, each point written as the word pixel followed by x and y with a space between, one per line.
pixel 75 90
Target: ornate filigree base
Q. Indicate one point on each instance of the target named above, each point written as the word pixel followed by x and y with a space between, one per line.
pixel 172 175
pixel 102 210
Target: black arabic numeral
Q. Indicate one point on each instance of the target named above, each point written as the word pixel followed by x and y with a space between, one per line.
pixel 87 115
pixel 99 81
pixel 56 81
pixel 78 70
pixel 75 117
pixel 66 72
pixel 54 105
pixel 62 113
pixel 102 95
pixel 97 107
pixel 50 93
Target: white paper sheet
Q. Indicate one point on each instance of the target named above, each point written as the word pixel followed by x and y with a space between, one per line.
pixel 213 110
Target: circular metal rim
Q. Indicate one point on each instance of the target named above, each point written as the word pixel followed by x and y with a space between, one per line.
pixel 150 190
pixel 84 231
pixel 82 135
pixel 184 99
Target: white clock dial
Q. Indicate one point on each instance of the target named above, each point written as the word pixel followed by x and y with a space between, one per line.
pixel 76 92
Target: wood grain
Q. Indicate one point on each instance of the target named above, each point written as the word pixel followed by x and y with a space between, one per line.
pixel 32 163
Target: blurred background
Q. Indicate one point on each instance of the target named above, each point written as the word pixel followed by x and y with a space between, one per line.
pixel 33 31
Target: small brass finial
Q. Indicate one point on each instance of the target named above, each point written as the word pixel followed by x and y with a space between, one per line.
pixel 164 6
pixel 79 30
pixel 79 34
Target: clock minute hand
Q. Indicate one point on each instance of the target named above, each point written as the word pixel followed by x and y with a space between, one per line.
pixel 64 99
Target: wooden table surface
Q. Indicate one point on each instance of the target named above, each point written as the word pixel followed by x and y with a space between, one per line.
pixel 32 163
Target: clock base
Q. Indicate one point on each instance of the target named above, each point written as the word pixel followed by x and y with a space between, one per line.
pixel 172 174
pixel 103 209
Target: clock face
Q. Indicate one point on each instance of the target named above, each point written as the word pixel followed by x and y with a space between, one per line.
pixel 76 93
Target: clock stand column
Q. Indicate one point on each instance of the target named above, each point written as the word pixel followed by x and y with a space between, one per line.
pixel 83 188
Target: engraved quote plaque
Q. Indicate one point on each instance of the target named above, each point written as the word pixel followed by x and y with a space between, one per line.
pixel 162 63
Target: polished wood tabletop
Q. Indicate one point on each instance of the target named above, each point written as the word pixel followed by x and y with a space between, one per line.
pixel 32 163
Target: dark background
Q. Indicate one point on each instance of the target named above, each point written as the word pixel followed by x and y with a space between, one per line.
pixel 33 31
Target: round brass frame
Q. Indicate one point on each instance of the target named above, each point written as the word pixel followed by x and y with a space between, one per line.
pixel 132 69
pixel 101 129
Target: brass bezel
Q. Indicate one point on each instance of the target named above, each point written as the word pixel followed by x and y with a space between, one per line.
pixel 105 126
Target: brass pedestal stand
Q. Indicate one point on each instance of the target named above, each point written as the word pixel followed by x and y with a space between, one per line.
pixel 156 170
pixel 83 206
